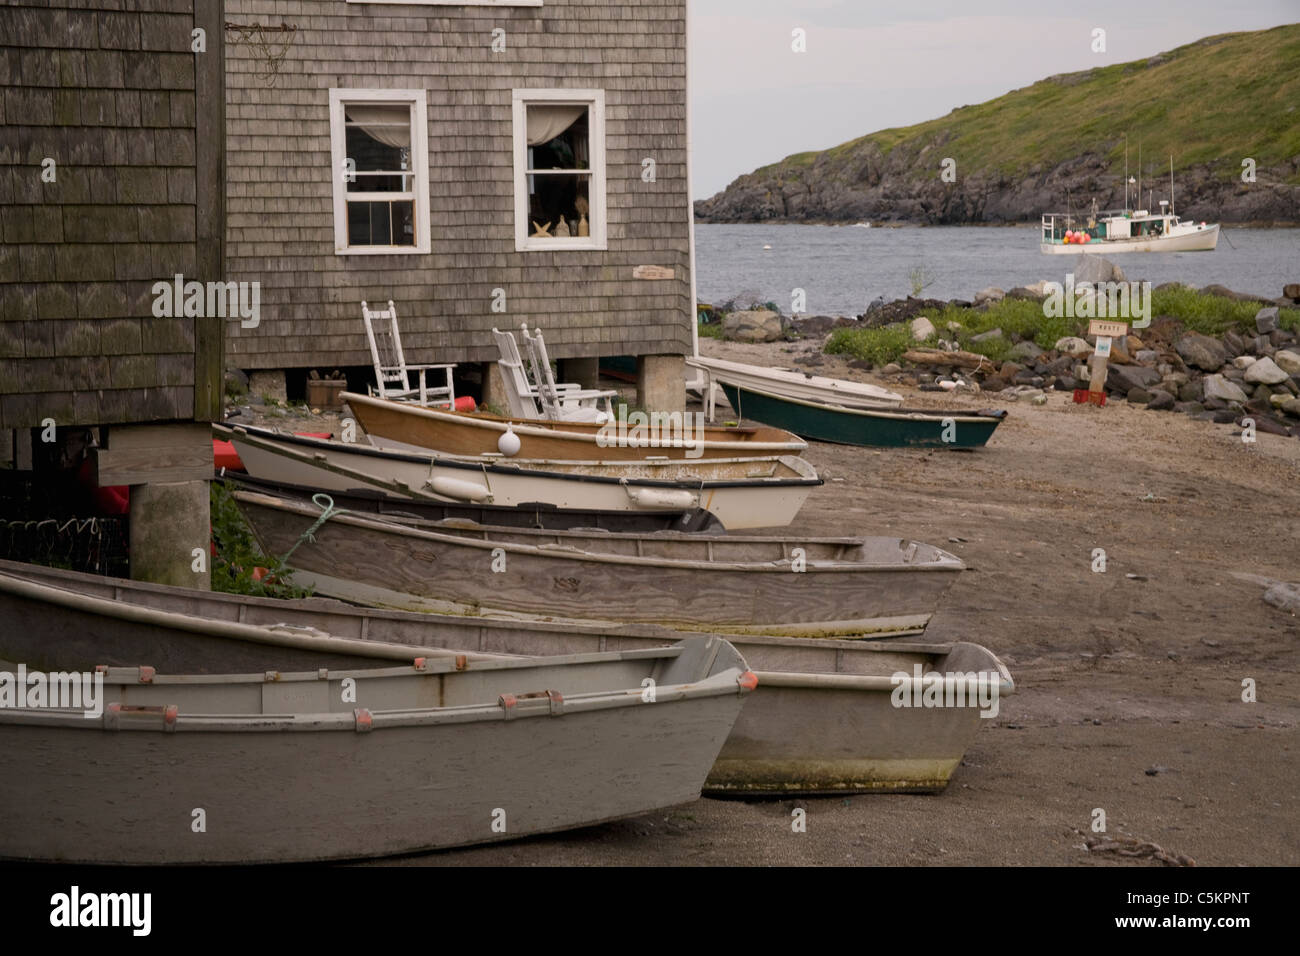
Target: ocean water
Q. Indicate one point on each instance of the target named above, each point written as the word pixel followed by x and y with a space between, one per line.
pixel 843 268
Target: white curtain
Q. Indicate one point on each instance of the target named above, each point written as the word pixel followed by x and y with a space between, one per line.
pixel 547 122
pixel 390 125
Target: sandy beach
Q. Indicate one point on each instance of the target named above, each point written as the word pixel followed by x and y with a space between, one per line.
pixel 1129 682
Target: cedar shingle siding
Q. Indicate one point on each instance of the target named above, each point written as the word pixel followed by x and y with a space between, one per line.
pixel 280 200
pixel 108 94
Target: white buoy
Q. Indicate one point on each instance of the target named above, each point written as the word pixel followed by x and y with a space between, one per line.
pixel 767 247
pixel 508 444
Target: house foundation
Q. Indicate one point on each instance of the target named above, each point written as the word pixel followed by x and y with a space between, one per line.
pixel 171 534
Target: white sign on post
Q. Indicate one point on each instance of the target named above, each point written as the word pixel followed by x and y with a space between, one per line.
pixel 1103 346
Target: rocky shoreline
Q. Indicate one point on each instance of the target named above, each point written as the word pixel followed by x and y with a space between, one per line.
pixel 1248 375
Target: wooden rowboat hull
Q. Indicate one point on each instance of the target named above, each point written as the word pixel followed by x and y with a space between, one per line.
pixel 733 584
pixel 821 720
pixel 740 492
pixel 302 767
pixel 880 428
pixel 459 433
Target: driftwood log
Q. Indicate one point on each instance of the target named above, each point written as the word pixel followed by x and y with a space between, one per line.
pixel 956 359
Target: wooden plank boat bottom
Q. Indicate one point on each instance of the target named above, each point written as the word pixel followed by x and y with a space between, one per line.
pixel 376 596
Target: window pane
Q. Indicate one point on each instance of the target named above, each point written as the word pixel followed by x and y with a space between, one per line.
pixel 556 197
pixel 382 183
pixel 379 137
pixel 381 223
pixel 567 147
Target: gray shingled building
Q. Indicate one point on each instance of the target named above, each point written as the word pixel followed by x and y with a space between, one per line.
pixel 479 164
pixel 111 142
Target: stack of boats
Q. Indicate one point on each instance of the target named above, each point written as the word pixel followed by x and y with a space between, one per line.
pixel 519 628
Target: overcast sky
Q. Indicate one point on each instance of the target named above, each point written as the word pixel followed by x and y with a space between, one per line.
pixel 870 65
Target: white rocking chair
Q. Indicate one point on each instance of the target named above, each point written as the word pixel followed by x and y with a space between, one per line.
pixel 391 370
pixel 563 402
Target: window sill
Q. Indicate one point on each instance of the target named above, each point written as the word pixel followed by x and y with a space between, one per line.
pixel 560 245
pixel 382 251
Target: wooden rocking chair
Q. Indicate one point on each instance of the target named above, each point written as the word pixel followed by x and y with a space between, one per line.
pixel 391 370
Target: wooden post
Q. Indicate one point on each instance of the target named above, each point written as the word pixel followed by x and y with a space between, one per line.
pixel 1100 360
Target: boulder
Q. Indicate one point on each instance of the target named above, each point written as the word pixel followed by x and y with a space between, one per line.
pixel 756 325
pixel 1160 400
pixel 1218 387
pixel 1292 407
pixel 991 294
pixel 1065 383
pixel 1262 394
pixel 1146 356
pixel 1026 292
pixel 1201 351
pixel 1288 361
pixel 1263 345
pixel 986 336
pixel 820 324
pixel 1191 391
pixel 1138 396
pixel 1233 342
pixel 1266 320
pixel 1265 372
pixel 1189 408
pixel 1027 350
pixel 922 328
pixel 1223 416
pixel 1267 425
pixel 1097 269
pixel 1226 293
pixel 1075 347
pixel 1283 596
pixel 1243 362
pixel 1125 378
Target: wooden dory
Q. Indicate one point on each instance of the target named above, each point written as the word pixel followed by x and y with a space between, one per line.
pixel 870 586
pixel 877 427
pixel 822 719
pixel 340 764
pixel 404 425
pixel 813 388
pixel 740 492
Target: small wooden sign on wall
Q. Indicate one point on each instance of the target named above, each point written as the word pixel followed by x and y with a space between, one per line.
pixel 651 272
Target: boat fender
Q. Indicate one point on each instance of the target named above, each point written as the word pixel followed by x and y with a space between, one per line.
pixel 669 499
pixel 748 680
pixel 459 489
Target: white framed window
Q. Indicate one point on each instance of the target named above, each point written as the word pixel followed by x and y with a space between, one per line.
pixel 559 139
pixel 379 148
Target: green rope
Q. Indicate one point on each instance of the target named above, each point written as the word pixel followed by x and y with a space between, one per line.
pixel 326 504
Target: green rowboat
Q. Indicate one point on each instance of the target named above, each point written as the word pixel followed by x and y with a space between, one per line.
pixel 881 428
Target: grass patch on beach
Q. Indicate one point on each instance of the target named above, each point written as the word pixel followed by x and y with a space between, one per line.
pixel 1198 311
pixel 238 554
pixel 710 330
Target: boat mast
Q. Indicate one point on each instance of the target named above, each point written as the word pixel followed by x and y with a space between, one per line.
pixel 1139 184
pixel 1171 184
pixel 1126 171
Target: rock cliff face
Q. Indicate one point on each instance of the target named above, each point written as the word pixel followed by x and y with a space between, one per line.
pixel 1024 153
pixel 867 185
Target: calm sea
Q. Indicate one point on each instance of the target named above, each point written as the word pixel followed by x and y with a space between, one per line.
pixel 842 268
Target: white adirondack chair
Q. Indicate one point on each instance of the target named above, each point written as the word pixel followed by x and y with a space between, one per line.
pixel 391 371
pixel 521 398
pixel 570 404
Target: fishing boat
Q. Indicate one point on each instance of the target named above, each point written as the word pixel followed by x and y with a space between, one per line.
pixel 1110 231
pixel 276 766
pixel 812 388
pixel 882 427
pixel 731 584
pixel 404 426
pixel 822 719
pixel 740 492
pixel 367 499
